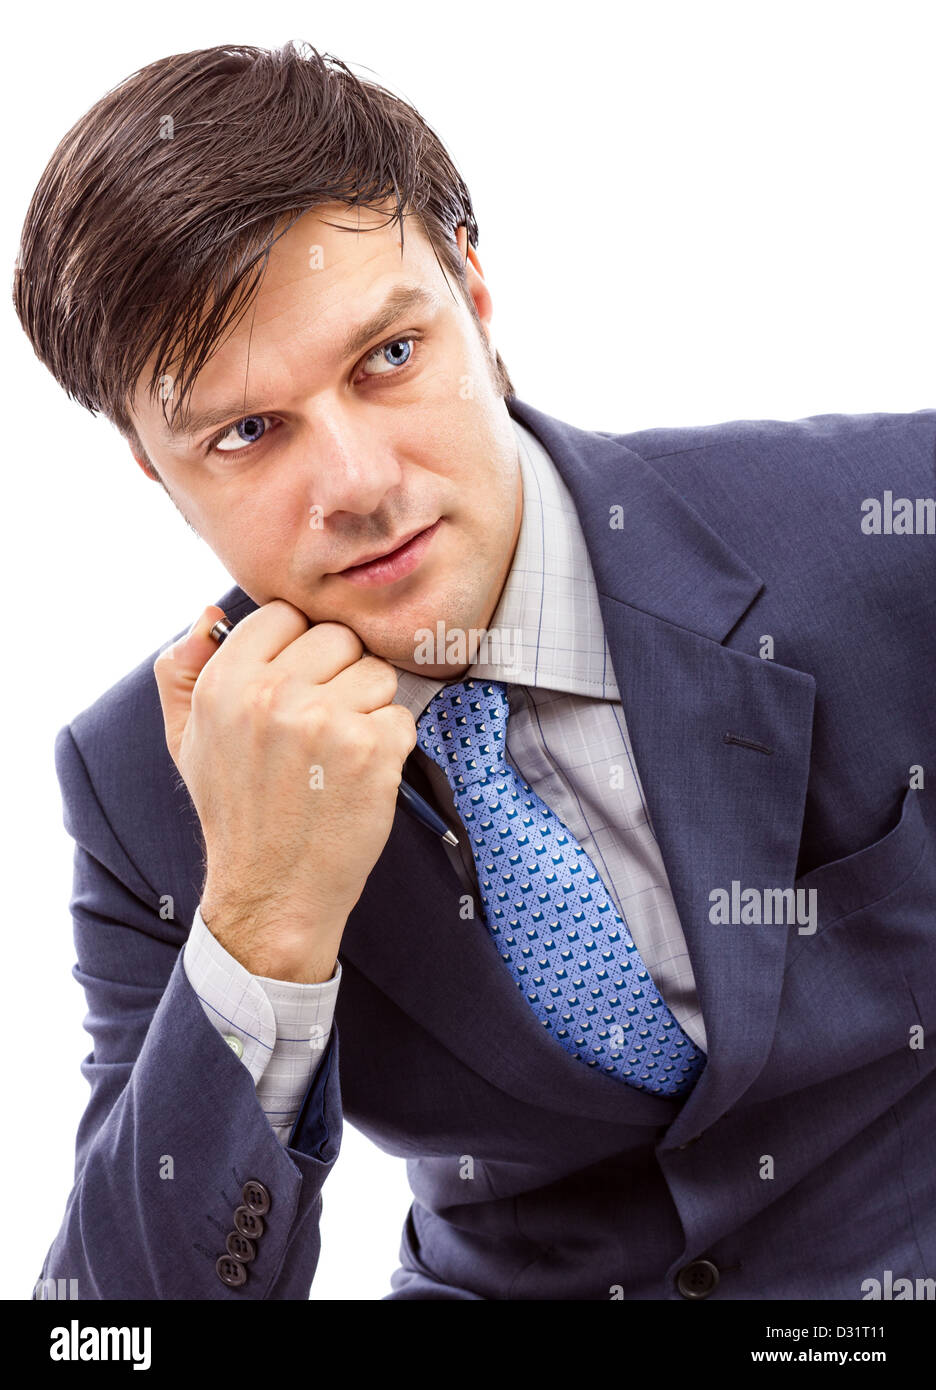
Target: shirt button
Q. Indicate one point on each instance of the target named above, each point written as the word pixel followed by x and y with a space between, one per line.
pixel 234 1043
pixel 698 1279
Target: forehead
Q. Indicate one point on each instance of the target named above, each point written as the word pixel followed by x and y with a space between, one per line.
pixel 333 250
pixel 324 276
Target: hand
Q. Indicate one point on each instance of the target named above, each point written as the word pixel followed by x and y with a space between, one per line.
pixel 292 752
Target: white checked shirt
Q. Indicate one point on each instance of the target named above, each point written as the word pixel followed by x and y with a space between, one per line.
pixel 566 736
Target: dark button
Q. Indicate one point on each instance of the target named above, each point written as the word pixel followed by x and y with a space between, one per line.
pixel 240 1247
pixel 248 1223
pixel 231 1272
pixel 256 1197
pixel 694 1140
pixel 698 1279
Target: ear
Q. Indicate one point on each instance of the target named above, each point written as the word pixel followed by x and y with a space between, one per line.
pixel 140 458
pixel 474 278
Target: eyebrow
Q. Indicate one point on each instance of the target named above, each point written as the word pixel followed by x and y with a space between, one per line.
pixel 398 302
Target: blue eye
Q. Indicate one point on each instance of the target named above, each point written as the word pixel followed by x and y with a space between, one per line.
pixel 249 430
pixel 395 360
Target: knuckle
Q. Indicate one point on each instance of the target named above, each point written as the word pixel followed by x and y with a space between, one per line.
pixel 251 697
pixel 361 748
pixel 341 637
pixel 280 699
pixel 261 697
pixel 405 720
pixel 315 718
pixel 400 719
pixel 384 679
pixel 281 605
pixel 206 685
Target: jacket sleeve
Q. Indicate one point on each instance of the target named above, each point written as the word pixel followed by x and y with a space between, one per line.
pixel 173 1152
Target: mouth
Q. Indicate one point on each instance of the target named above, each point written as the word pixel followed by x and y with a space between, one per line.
pixel 390 565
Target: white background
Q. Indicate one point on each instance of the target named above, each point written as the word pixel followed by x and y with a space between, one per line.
pixel 688 213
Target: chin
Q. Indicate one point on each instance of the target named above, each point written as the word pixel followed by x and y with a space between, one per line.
pixel 392 641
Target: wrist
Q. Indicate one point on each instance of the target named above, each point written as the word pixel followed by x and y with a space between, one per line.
pixel 275 950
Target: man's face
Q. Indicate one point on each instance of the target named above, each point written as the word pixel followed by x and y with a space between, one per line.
pixel 327 452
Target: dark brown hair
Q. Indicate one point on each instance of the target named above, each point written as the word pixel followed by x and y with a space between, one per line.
pixel 150 228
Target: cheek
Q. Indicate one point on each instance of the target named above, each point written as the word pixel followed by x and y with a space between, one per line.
pixel 257 540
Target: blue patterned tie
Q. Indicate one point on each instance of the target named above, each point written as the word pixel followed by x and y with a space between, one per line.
pixel 547 908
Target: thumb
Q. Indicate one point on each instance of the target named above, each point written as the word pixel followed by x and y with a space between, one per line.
pixel 177 669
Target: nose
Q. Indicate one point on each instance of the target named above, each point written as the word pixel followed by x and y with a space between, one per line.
pixel 349 467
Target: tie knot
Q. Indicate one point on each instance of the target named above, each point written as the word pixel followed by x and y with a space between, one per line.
pixel 463 729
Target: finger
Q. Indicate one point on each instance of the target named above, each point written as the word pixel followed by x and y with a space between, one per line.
pixel 398 727
pixel 320 653
pixel 365 685
pixel 265 633
pixel 177 669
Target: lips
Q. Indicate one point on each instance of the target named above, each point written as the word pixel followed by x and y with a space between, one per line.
pixel 384 554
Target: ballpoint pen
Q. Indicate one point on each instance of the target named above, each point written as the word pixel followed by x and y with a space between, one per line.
pixel 409 798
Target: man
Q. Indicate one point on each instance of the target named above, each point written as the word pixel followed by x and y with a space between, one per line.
pixel 654 1027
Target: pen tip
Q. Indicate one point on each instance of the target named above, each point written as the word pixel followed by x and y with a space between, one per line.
pixel 450 838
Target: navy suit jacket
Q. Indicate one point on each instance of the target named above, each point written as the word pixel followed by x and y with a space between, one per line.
pixel 802 1164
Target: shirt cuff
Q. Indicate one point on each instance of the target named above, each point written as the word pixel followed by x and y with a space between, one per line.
pixel 304 1015
pixel 278 1028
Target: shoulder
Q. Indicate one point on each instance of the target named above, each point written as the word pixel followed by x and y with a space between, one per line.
pixel 750 442
pixel 793 499
pixel 786 491
pixel 820 451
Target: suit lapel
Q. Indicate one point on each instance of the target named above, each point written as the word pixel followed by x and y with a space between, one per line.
pixel 670 592
pixel 721 813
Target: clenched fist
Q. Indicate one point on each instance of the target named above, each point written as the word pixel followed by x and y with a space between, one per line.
pixel 292 753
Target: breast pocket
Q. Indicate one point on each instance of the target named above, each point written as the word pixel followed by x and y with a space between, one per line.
pixel 861 985
pixel 869 877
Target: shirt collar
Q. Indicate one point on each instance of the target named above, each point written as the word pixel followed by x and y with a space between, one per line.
pixel 548 620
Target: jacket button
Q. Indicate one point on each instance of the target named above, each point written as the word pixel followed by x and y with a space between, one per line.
pixel 240 1247
pixel 248 1223
pixel 231 1272
pixel 256 1197
pixel 698 1279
